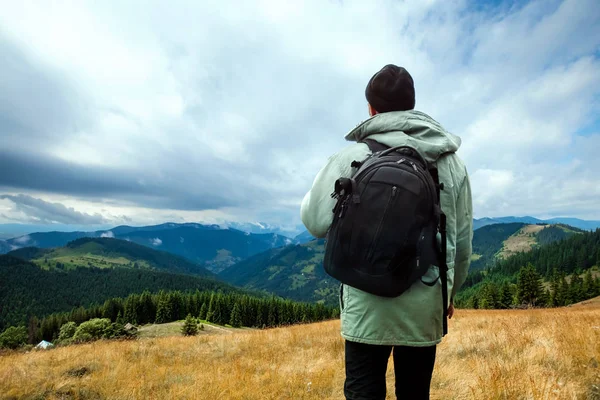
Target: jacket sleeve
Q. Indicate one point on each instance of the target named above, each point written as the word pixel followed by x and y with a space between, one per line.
pixel 317 205
pixel 464 235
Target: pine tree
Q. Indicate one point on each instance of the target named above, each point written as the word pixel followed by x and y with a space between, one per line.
pixel 565 290
pixel 211 307
pixel 130 314
pixel 236 316
pixel 576 288
pixel 272 316
pixel 506 296
pixel 189 328
pixel 163 311
pixel 587 287
pixel 529 286
pixel 203 311
pixel 554 289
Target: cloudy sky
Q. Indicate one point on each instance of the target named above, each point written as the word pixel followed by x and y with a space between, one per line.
pixel 143 112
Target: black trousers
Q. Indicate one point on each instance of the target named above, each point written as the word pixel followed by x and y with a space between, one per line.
pixel 366 365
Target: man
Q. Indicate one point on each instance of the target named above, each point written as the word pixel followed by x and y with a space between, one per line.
pixel 408 326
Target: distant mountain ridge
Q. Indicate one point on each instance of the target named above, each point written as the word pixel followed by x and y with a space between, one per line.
pixel 210 245
pixel 499 241
pixel 575 222
pixel 296 271
pixel 109 253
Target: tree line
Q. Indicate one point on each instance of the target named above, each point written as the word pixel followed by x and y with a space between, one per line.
pixel 27 290
pixel 529 290
pixel 577 253
pixel 235 309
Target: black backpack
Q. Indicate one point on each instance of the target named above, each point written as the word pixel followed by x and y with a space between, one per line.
pixel 386 219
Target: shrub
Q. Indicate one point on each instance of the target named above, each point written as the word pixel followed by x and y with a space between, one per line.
pixel 13 337
pixel 189 328
pixel 91 330
pixel 67 331
pixel 115 330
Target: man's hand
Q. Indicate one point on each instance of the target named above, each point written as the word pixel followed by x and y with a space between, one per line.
pixel 450 310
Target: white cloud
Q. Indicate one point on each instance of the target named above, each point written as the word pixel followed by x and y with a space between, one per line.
pixel 107 234
pixel 23 240
pixel 156 242
pixel 227 113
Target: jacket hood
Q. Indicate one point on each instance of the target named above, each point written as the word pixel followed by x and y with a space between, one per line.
pixel 408 128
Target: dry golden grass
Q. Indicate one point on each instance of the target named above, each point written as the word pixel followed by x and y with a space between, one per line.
pixel 529 354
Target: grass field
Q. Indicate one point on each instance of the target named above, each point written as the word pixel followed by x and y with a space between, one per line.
pixel 515 354
pixel 174 329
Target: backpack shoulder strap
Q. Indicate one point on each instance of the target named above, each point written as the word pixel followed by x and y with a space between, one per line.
pixel 443 251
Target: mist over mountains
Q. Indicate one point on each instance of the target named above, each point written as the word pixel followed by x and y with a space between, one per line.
pixel 209 245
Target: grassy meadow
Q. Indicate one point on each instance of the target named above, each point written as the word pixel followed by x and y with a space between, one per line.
pixel 498 354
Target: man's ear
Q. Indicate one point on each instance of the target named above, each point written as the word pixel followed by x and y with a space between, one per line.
pixel 372 111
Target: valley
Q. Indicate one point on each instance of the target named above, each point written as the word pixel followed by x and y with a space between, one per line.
pixel 484 357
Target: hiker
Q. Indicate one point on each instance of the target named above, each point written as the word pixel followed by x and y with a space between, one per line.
pixel 409 325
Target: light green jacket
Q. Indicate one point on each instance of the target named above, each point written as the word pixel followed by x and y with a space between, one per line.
pixel 415 317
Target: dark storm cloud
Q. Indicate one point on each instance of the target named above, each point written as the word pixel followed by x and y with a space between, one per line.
pixel 165 108
pixel 45 212
pixel 38 172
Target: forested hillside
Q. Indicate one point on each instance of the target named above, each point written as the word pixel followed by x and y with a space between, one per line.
pixel 566 267
pixel 26 289
pixel 488 240
pixel 234 309
pixel 108 253
pixel 295 272
pixel 499 241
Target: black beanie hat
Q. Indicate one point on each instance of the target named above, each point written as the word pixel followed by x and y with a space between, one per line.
pixel 391 89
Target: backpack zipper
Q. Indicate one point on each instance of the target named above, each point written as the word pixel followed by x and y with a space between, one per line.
pixel 378 231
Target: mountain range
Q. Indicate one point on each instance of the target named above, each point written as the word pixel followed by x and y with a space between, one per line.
pixel 108 253
pixel 574 222
pixel 296 271
pixel 35 281
pixel 209 245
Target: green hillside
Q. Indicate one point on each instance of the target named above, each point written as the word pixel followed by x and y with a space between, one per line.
pixel 489 240
pixel 295 272
pixel 26 289
pixel 108 253
pixel 576 256
pixel 500 241
pixel 208 245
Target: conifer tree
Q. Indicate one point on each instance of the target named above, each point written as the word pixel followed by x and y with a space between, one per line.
pixel 506 296
pixel 272 316
pixel 163 311
pixel 529 286
pixel 203 311
pixel 587 286
pixel 189 328
pixel 576 289
pixel 236 316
